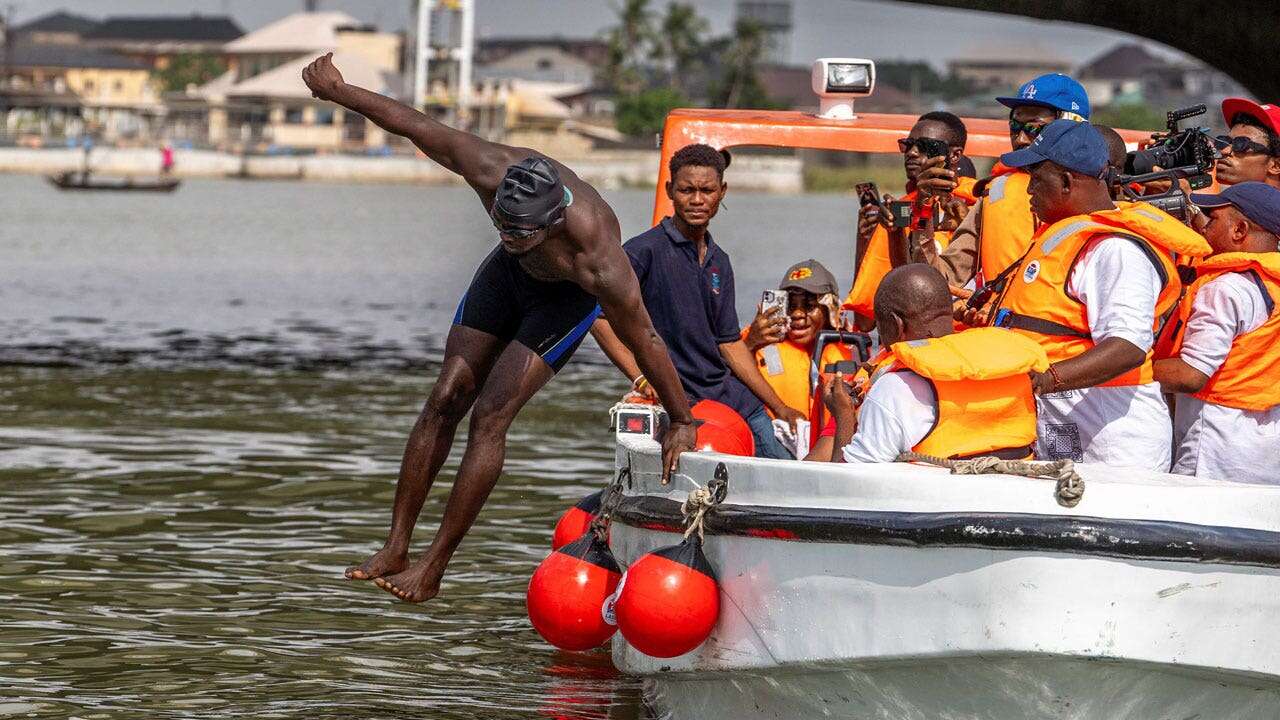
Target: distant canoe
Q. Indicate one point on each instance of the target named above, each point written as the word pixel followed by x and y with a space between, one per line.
pixel 80 181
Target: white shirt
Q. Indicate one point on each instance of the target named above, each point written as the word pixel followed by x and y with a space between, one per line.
pixel 897 413
pixel 1129 425
pixel 1215 441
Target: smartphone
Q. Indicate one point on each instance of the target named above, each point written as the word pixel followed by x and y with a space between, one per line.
pixel 868 194
pixel 774 299
pixel 931 148
pixel 901 211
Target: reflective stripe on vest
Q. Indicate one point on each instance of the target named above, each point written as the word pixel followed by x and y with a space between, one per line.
pixel 981 382
pixel 1006 224
pixel 1247 379
pixel 1036 300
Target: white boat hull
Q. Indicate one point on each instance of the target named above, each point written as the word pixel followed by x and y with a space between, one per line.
pixel 901 592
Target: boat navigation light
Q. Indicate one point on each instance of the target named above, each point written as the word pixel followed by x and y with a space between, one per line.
pixel 836 81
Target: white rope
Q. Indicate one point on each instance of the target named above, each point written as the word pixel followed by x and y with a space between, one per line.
pixel 1069 487
pixel 694 509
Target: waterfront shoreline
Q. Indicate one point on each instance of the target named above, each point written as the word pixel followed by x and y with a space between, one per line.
pixel 607 169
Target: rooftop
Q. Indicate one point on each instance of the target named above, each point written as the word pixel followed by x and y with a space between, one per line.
pixel 69 56
pixel 286 81
pixel 172 28
pixel 297 33
pixel 1127 60
pixel 58 22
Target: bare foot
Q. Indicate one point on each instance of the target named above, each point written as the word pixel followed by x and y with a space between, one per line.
pixel 419 583
pixel 384 562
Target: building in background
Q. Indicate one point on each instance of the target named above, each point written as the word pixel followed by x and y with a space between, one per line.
pixel 775 18
pixel 1005 74
pixel 1130 74
pixel 261 102
pixel 58 28
pixel 156 40
pixel 63 91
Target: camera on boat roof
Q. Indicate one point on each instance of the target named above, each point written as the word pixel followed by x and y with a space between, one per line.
pixel 836 81
pixel 1173 155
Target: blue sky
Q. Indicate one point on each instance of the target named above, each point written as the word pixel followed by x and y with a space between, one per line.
pixel 879 29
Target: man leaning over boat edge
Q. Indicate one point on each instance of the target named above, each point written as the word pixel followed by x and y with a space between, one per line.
pixel 528 308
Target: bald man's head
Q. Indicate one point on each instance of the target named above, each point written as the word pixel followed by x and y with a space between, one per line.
pixel 912 303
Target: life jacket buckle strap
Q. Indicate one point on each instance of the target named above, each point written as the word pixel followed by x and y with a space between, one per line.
pixel 1006 318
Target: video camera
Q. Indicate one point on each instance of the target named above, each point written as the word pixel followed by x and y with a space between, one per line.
pixel 1180 154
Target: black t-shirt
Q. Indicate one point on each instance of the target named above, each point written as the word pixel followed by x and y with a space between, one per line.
pixel 692 308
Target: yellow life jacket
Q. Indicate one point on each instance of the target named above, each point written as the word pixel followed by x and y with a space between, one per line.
pixel 875 262
pixel 980 377
pixel 1247 379
pixel 1006 223
pixel 789 370
pixel 1036 301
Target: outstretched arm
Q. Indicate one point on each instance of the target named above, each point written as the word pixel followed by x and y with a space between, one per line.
pixel 607 274
pixel 480 162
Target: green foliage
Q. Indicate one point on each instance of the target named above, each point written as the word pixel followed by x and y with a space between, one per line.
pixel 679 42
pixel 630 46
pixel 646 112
pixel 1129 116
pixel 739 84
pixel 184 70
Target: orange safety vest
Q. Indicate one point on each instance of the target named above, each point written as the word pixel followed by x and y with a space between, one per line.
pixel 1036 301
pixel 1247 379
pixel 788 368
pixel 980 378
pixel 875 263
pixel 1006 223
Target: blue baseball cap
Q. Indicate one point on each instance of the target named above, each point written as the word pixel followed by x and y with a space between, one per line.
pixel 1257 200
pixel 1074 145
pixel 1054 91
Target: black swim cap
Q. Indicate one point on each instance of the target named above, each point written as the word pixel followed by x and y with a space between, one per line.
pixel 531 194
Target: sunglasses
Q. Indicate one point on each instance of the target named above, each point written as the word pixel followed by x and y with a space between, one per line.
pixel 927 146
pixel 1031 129
pixel 1240 145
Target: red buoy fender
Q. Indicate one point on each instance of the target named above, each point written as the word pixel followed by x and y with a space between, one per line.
pixel 713 436
pixel 567 591
pixel 575 522
pixel 669 601
pixel 725 416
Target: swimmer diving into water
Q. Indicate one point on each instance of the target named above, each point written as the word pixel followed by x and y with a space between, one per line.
pixel 559 263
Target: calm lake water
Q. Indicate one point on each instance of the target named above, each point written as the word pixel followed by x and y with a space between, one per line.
pixel 203 401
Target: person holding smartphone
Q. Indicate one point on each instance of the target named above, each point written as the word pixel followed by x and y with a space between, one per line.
pixel 931 155
pixel 783 340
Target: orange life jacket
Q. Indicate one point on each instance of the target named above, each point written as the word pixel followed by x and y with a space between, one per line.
pixel 1036 301
pixel 1247 379
pixel 980 377
pixel 788 368
pixel 875 262
pixel 1006 224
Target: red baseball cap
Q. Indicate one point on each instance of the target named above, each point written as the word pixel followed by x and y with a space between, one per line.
pixel 1268 115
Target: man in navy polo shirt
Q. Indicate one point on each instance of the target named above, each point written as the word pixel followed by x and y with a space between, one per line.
pixel 686 280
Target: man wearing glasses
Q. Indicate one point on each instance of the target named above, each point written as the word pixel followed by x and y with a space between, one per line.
pixel 1251 148
pixel 931 155
pixel 996 234
pixel 528 308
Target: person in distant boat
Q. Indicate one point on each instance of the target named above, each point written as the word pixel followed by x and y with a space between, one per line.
pixel 528 308
pixel 934 391
pixel 688 286
pixel 166 160
pixel 1093 290
pixel 1227 334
